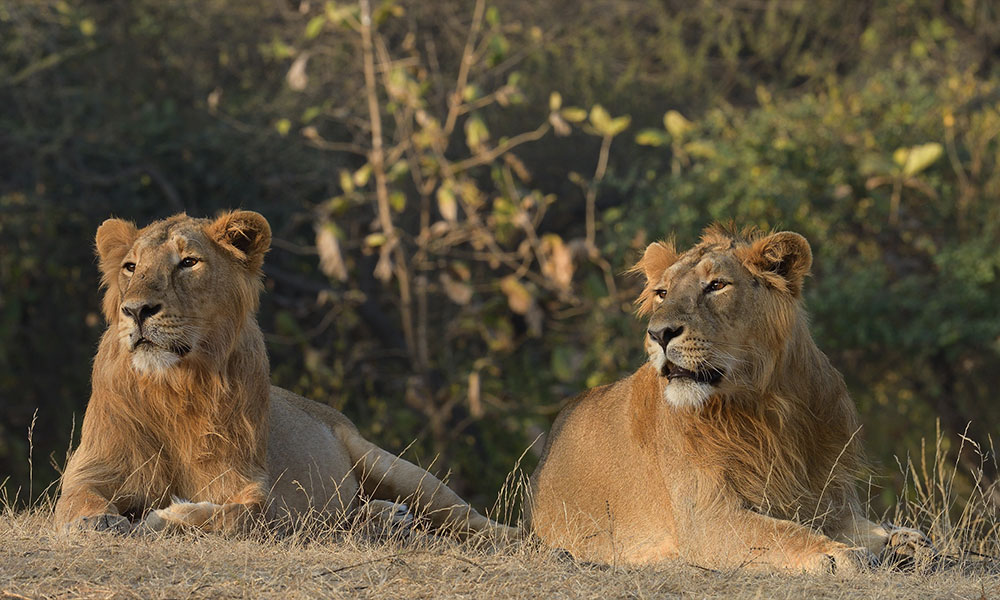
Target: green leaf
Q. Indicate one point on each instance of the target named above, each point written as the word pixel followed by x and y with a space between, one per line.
pixel 315 26
pixel 555 101
pixel 600 119
pixel 283 126
pixel 346 181
pixel 573 114
pixel 398 169
pixel 675 123
pixel 311 113
pixel 475 132
pixel 918 158
pixel 374 240
pixel 88 27
pixel 362 175
pixel 492 16
pixel 651 137
pixel 619 124
pixel 397 200
pixel 700 149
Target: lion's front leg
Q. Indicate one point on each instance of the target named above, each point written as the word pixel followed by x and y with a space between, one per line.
pixel 737 538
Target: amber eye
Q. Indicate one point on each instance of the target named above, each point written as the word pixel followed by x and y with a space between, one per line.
pixel 715 286
pixel 188 262
pixel 660 294
pixel 129 266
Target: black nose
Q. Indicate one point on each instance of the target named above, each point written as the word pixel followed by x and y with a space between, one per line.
pixel 663 336
pixel 139 311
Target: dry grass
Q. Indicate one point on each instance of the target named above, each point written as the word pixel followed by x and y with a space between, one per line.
pixel 36 561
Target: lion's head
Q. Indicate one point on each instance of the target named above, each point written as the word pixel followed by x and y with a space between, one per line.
pixel 181 289
pixel 721 312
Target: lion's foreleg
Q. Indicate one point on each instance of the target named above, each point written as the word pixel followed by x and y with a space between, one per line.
pixel 743 538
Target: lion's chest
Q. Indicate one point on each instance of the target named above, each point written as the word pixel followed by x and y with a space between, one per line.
pixel 187 462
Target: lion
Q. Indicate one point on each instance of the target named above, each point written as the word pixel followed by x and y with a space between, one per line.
pixel 734 445
pixel 183 429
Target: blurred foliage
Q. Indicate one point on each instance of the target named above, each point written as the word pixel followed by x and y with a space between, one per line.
pixel 450 225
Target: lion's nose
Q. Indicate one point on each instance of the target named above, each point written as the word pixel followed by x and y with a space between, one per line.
pixel 140 311
pixel 663 336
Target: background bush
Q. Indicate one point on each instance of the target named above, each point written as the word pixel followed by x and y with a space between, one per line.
pixel 495 291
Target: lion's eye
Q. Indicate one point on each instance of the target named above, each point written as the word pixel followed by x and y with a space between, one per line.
pixel 188 262
pixel 660 294
pixel 715 286
pixel 129 266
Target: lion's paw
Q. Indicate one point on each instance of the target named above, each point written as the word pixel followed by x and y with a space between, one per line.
pixel 179 515
pixel 104 522
pixel 907 548
pixel 381 519
pixel 841 560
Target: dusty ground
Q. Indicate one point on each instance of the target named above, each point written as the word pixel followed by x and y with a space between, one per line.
pixel 38 562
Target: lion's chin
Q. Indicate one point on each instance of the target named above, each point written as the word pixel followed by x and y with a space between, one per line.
pixel 687 393
pixel 151 360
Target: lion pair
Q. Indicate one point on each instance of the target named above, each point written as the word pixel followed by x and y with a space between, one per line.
pixel 734 445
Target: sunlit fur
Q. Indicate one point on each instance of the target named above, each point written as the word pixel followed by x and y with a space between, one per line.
pixel 755 469
pixel 183 428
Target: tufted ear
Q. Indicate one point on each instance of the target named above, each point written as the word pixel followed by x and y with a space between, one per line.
pixel 244 233
pixel 114 239
pixel 655 260
pixel 782 259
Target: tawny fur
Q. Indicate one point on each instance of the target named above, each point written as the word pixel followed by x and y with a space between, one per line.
pixel 191 414
pixel 757 470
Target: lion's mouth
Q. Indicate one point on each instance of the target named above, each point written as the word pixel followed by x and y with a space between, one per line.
pixel 179 348
pixel 710 376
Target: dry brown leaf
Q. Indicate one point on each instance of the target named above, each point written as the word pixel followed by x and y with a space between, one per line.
pixel 458 292
pixel 558 260
pixel 519 298
pixel 331 261
pixel 296 77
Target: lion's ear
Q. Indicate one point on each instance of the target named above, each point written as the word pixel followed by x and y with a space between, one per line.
pixel 782 259
pixel 114 239
pixel 655 260
pixel 245 233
